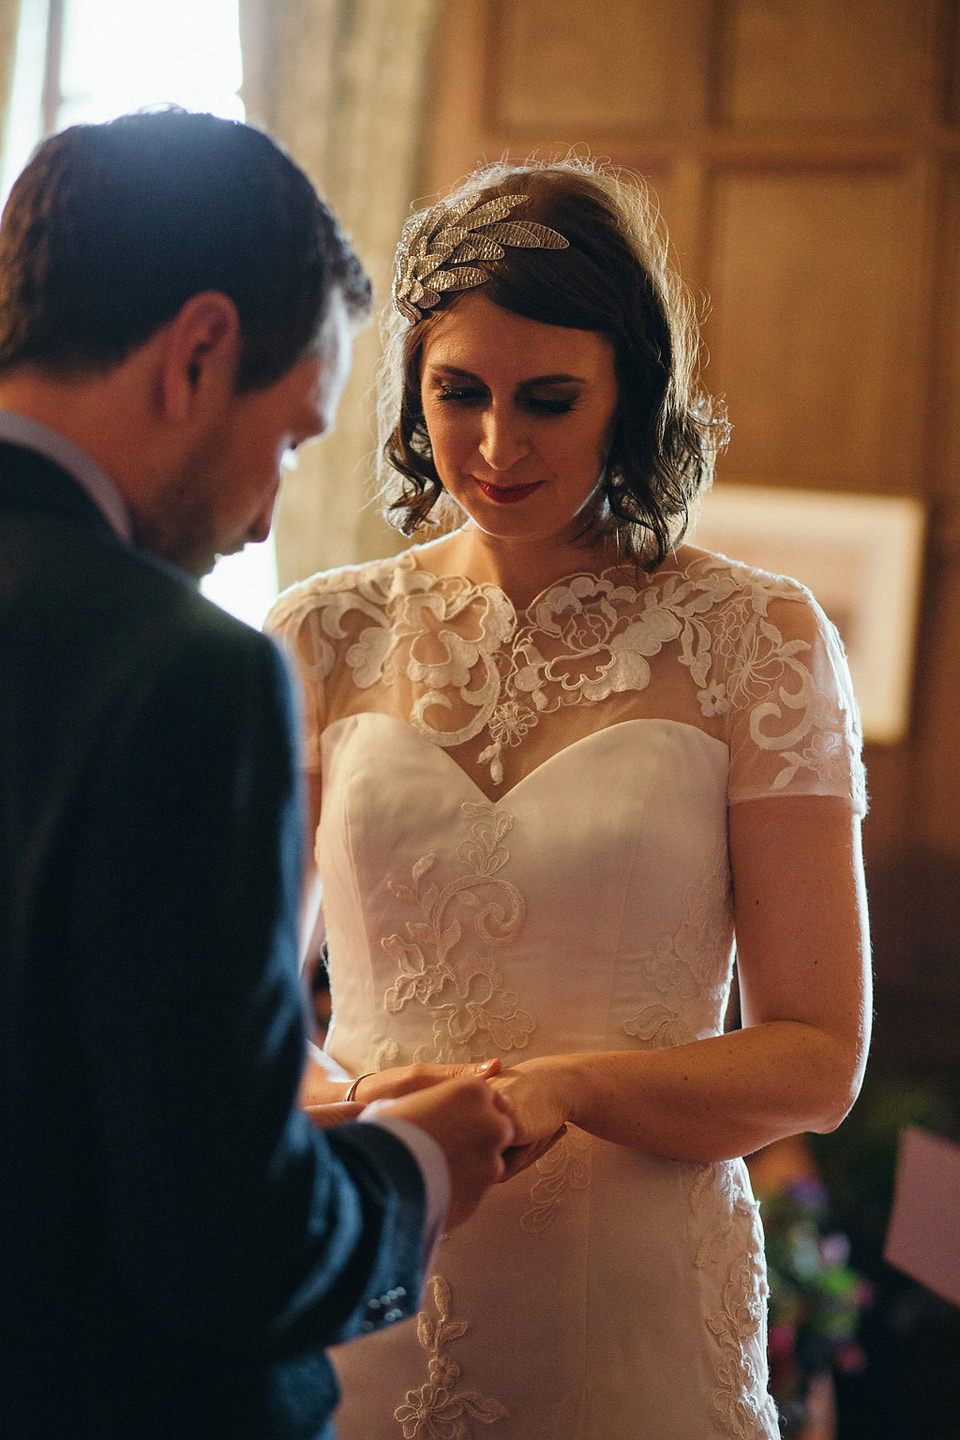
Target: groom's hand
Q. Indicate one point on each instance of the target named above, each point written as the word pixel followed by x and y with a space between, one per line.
pixel 473 1125
pixel 519 1157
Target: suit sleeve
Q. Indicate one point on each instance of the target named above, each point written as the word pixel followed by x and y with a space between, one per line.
pixel 232 1217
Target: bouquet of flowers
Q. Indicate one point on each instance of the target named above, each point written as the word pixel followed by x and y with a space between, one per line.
pixel 816 1298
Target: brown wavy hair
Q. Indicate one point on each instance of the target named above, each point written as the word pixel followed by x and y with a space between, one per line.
pixel 615 280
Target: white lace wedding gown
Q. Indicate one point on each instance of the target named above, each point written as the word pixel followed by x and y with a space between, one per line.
pixel 524 852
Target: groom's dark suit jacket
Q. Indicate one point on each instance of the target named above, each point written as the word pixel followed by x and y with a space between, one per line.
pixel 177 1243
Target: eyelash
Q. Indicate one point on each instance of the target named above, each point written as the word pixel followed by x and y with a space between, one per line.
pixel 451 395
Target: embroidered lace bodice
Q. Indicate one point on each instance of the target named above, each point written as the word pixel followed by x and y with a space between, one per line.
pixel 523 848
pixel 746 657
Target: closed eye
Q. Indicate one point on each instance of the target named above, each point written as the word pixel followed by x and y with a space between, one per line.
pixel 460 395
pixel 468 395
pixel 542 405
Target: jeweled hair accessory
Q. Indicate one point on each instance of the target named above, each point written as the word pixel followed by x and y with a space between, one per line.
pixel 438 250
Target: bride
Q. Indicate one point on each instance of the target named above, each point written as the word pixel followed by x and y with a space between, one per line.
pixel 566 760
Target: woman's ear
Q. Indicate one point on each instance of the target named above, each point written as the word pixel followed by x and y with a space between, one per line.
pixel 200 357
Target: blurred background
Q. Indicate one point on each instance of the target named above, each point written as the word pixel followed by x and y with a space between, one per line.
pixel 805 155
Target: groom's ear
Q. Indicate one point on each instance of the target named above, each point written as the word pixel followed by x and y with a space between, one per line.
pixel 200 358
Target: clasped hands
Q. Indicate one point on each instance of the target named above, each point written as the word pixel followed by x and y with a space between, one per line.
pixel 535 1111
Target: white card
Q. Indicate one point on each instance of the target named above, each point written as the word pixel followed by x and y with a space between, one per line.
pixel 923 1237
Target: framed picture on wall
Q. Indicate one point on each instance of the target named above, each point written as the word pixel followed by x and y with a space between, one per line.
pixel 861 555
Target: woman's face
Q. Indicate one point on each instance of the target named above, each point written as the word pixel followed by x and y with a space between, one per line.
pixel 520 416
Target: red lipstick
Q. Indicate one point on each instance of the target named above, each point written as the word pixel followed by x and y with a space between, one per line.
pixel 507 494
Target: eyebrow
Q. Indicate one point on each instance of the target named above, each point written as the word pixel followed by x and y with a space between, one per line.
pixel 561 379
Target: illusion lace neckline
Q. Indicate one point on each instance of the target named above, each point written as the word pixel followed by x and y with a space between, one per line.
pixel 467 667
pixel 641 578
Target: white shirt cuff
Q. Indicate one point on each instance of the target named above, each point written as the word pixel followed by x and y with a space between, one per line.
pixel 432 1164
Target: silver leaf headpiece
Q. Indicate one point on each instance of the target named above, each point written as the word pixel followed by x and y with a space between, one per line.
pixel 438 250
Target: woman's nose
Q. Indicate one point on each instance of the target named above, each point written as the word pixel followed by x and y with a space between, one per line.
pixel 502 442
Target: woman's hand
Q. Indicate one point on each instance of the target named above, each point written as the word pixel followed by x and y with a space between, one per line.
pixel 538 1106
pixel 408 1079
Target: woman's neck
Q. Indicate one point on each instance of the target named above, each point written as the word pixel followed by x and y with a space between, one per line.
pixel 521 569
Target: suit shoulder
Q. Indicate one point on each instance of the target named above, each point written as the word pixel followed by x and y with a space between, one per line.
pixel 166 637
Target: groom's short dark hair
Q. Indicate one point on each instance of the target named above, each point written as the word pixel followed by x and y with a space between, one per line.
pixel 112 228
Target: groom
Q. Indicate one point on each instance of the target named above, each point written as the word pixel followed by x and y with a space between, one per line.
pixel 177 1241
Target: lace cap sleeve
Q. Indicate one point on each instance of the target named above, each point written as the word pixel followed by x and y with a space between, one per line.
pixel 793 725
pixel 295 623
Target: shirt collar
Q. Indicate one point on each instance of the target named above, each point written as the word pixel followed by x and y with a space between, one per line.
pixel 21 430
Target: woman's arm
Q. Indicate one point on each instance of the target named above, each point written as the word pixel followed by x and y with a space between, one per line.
pixel 803 961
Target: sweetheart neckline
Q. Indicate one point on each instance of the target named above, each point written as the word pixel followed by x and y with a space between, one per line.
pixel 504 795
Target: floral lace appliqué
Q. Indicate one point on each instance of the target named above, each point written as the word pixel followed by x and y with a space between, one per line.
pixel 386 1055
pixel 727 1216
pixel 714 1191
pixel 741 1403
pixel 440 1410
pixel 565 1166
pixel 689 969
pixel 462 986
